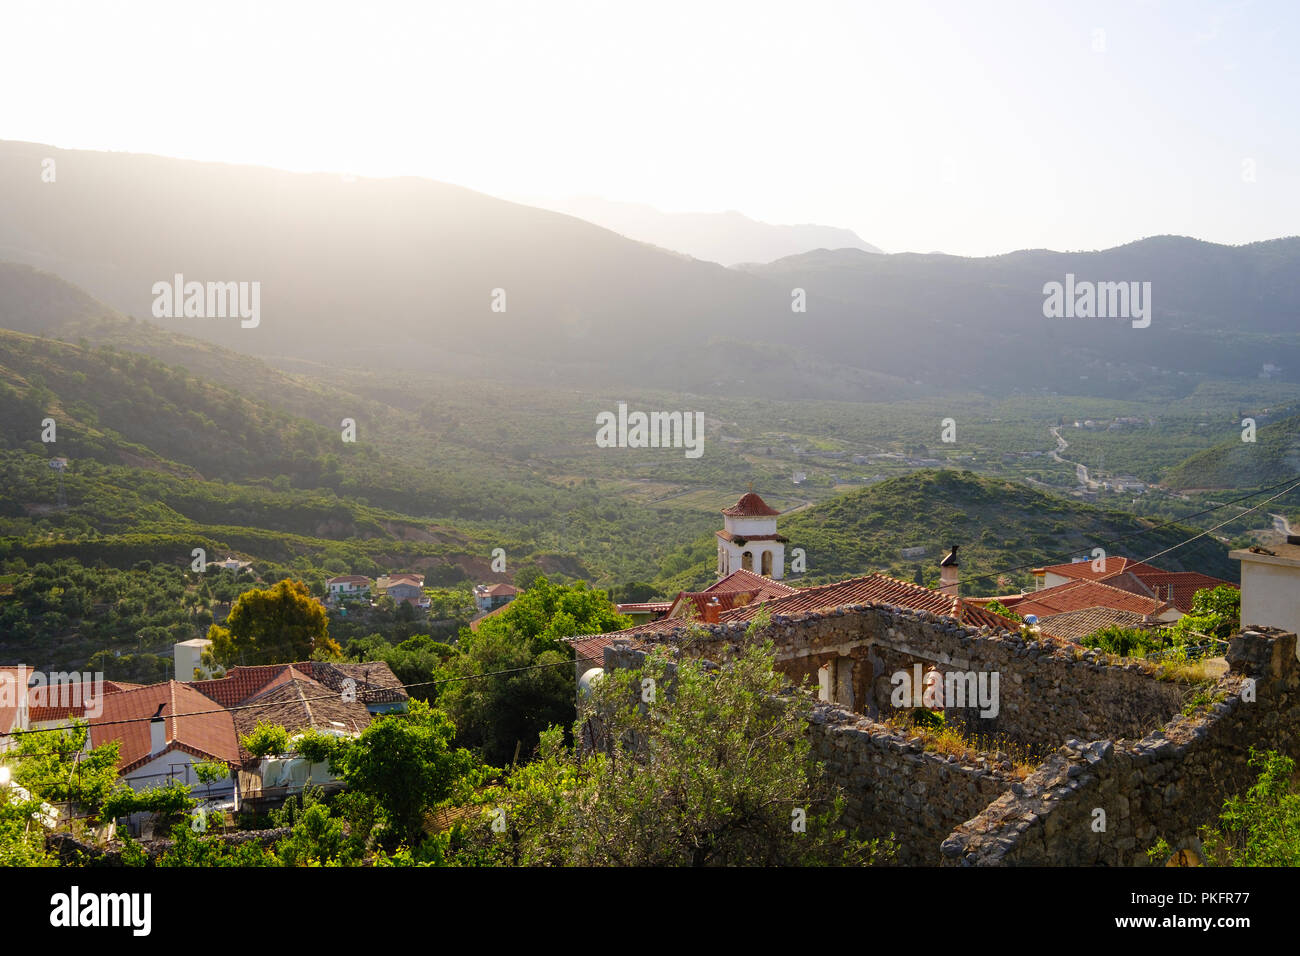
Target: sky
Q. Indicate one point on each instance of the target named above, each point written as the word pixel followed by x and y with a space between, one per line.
pixel 974 128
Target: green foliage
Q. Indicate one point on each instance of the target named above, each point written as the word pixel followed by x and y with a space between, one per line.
pixel 715 769
pixel 1124 641
pixel 22 841
pixel 279 625
pixel 192 850
pixel 169 802
pixel 318 747
pixel 266 740
pixel 53 765
pixel 1216 612
pixel 495 714
pixel 547 612
pixel 210 772
pixel 406 763
pixel 997 607
pixel 1258 828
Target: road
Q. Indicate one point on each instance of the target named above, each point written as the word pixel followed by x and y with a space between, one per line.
pixel 1080 471
pixel 1281 525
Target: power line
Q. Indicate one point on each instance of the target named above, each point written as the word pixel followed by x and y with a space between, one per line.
pixel 1156 527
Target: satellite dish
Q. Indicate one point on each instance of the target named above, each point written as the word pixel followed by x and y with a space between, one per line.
pixel 587 680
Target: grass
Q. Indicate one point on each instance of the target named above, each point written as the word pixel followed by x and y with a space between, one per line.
pixel 949 741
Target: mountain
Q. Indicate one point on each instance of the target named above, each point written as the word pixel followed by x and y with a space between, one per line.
pixel 403 273
pixel 1217 311
pixel 728 237
pixel 999 526
pixel 1272 457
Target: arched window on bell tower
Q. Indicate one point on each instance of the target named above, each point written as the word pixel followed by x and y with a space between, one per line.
pixel 747 560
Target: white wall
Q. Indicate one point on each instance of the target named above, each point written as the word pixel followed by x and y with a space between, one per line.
pixel 1270 595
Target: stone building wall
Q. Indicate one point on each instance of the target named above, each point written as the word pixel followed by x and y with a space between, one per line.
pixel 1124 765
pixel 1047 691
pixel 1105 802
pixel 893 787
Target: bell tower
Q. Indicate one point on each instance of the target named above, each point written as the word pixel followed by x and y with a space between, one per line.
pixel 749 541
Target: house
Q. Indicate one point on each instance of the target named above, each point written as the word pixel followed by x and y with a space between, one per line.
pixel 489 597
pixel 1083 594
pixel 164 730
pixel 348 587
pixel 642 612
pixel 737 598
pixel 1270 584
pixel 402 586
pixel 1172 587
pixel 749 540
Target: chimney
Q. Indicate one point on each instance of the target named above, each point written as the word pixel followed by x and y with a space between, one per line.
pixel 712 611
pixel 948 575
pixel 157 731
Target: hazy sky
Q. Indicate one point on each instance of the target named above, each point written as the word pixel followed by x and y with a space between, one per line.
pixel 972 128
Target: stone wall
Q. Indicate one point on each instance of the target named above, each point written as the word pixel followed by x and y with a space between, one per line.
pixel 1105 802
pixel 1048 691
pixel 1124 766
pixel 893 787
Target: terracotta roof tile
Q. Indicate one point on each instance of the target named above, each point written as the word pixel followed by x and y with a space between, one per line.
pixel 1077 595
pixel 750 505
pixel 193 723
pixel 1075 625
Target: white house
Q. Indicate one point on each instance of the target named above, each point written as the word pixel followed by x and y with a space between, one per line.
pixel 1270 585
pixel 347 586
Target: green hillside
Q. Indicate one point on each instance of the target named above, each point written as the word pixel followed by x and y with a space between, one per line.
pixel 1274 456
pixel 998 525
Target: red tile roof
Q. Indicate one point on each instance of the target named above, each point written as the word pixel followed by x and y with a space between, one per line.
pixel 1138 577
pixel 873 589
pixel 192 723
pixel 349 579
pixel 1185 584
pixel 1083 570
pixel 1074 625
pixel 69 701
pixel 640 607
pixel 750 505
pixel 1077 595
pixel 497 590
pixel 743 580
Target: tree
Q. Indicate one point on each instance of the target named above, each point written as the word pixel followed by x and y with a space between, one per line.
pixel 265 740
pixel 496 712
pixel 278 625
pixel 406 763
pixel 547 612
pixel 53 765
pixel 701 767
pixel 1258 828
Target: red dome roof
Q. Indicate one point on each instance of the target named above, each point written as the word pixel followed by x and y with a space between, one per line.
pixel 750 506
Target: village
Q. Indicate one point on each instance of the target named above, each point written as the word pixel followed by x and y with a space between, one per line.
pixel 871 649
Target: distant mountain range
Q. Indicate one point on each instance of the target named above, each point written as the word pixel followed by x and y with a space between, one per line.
pixel 729 238
pixel 405 273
